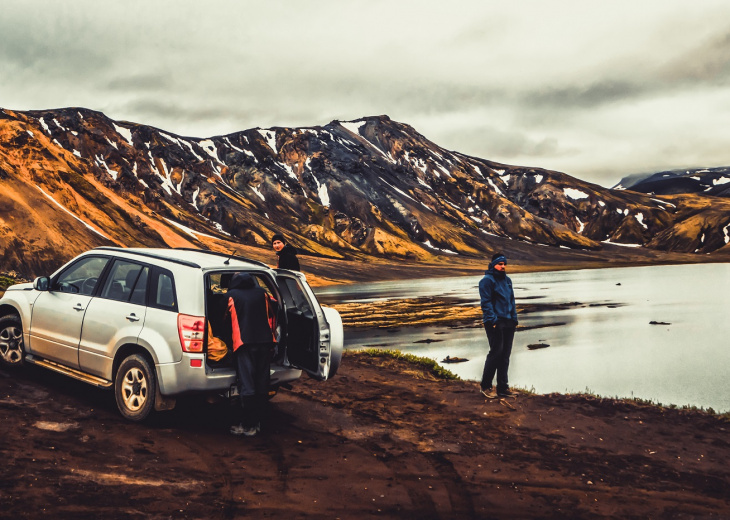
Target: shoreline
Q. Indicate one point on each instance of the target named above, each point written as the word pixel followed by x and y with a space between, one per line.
pixel 426 311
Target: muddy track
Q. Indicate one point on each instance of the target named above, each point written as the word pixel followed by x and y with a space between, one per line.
pixel 383 439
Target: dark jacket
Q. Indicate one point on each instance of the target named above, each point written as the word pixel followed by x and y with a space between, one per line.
pixel 288 258
pixel 497 298
pixel 250 312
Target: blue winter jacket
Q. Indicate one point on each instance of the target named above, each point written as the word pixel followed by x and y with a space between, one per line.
pixel 498 298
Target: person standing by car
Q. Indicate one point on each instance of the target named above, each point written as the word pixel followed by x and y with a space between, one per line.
pixel 499 315
pixel 286 252
pixel 254 339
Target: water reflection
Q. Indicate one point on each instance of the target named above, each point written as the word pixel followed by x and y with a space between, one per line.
pixel 607 345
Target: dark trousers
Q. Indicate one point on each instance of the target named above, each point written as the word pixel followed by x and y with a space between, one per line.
pixel 500 348
pixel 252 368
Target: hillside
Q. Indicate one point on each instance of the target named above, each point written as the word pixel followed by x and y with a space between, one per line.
pixel 706 181
pixel 357 191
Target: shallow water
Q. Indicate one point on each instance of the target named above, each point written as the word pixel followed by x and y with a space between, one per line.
pixel 606 346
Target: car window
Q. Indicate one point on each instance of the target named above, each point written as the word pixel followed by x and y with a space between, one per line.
pixel 294 294
pixel 139 292
pixel 265 284
pixel 218 282
pixel 163 291
pixel 82 276
pixel 122 281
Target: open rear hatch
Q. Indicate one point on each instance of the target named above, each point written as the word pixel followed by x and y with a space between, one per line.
pixel 307 332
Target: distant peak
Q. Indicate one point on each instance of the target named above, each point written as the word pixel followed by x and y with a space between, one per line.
pixel 367 119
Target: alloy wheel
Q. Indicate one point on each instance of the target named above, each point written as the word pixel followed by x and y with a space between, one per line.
pixel 11 345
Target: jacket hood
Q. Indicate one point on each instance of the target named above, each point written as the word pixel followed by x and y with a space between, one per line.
pixel 241 281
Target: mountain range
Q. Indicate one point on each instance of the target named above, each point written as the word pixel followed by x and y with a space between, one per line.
pixel 706 181
pixel 73 179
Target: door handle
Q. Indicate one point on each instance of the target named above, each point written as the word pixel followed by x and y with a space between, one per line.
pixel 78 307
pixel 132 317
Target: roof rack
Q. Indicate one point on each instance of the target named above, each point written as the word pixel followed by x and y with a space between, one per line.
pixel 149 255
pixel 224 255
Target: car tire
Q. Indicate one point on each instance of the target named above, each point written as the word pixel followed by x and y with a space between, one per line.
pixel 12 351
pixel 135 388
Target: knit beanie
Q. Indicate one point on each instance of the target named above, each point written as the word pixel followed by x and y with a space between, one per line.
pixel 497 258
pixel 278 237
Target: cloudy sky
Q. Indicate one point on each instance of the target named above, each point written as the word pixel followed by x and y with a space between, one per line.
pixel 596 89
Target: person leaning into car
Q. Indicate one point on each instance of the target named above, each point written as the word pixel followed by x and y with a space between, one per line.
pixel 252 325
pixel 499 315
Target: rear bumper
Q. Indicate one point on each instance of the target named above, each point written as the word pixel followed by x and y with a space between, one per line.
pixel 183 377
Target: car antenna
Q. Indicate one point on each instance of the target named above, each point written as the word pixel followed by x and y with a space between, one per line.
pixel 231 254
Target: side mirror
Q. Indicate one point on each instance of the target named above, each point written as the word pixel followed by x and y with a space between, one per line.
pixel 42 283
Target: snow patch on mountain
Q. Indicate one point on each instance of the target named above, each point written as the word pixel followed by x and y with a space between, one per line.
pixel 101 162
pixel 210 148
pixel 424 184
pixel 428 244
pixel 44 125
pixel 270 138
pixel 479 171
pixel 620 244
pixel 290 171
pixel 257 192
pixel 71 213
pixel 495 187
pixel 574 194
pixel 398 190
pixel 126 133
pixel 191 232
pixel 323 195
pixel 353 126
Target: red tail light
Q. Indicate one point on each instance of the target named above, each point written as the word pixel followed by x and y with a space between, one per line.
pixel 192 331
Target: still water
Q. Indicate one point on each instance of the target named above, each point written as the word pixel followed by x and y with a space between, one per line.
pixel 606 345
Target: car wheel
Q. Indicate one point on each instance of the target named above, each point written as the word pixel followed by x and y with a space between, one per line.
pixel 11 341
pixel 134 388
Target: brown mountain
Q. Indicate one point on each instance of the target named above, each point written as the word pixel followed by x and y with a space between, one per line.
pixel 73 179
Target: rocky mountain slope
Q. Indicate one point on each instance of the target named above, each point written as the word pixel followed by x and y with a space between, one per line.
pixel 706 181
pixel 73 179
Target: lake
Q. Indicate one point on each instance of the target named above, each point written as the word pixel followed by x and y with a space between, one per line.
pixel 606 346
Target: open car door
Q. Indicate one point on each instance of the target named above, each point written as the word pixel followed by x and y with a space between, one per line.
pixel 308 344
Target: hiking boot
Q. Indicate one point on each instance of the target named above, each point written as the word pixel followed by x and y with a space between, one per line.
pixel 506 393
pixel 489 393
pixel 237 429
pixel 251 430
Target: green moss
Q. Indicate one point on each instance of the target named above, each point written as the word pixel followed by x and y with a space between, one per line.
pixel 653 403
pixel 5 282
pixel 429 364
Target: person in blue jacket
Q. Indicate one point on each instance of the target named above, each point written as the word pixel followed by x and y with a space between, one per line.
pixel 499 315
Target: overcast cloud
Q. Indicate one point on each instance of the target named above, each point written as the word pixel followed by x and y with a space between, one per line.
pixel 593 88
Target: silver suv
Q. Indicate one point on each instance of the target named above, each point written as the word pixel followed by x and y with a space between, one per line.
pixel 139 320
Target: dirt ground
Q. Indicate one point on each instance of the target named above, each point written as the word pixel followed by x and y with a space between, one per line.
pixel 383 439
